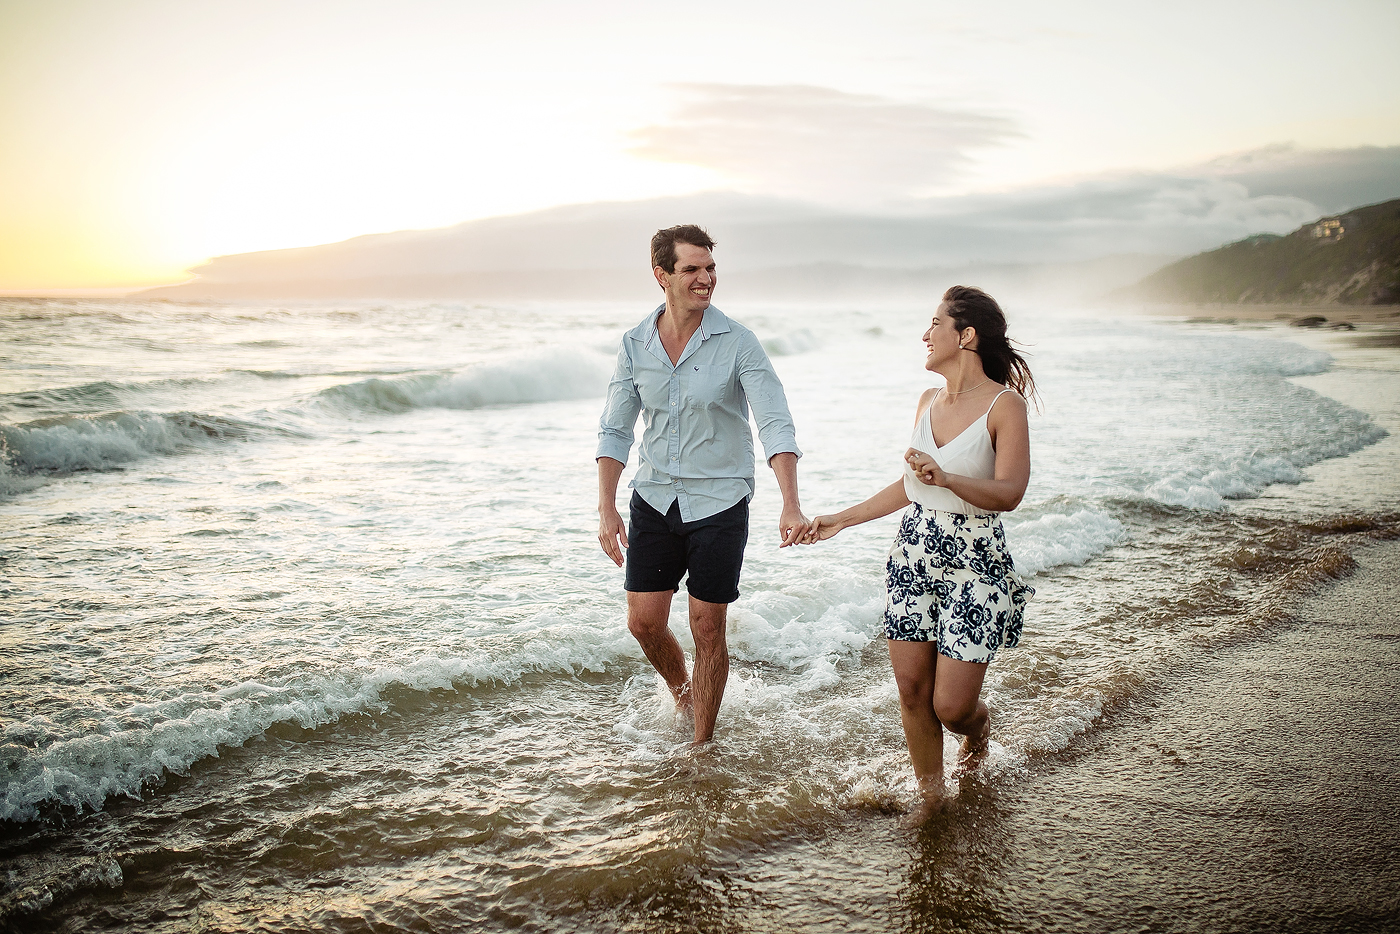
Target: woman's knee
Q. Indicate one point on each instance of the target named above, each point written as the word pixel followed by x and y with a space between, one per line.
pixel 915 691
pixel 954 711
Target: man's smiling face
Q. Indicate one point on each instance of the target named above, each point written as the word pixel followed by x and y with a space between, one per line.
pixel 688 289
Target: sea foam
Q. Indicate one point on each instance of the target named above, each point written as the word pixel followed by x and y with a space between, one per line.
pixel 1209 486
pixel 82 771
pixel 1056 539
pixel 548 377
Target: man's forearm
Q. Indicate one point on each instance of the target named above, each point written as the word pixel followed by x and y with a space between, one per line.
pixel 784 466
pixel 609 473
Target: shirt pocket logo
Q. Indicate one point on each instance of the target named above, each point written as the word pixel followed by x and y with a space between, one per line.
pixel 708 381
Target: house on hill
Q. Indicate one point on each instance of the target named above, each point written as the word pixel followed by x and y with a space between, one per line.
pixel 1329 228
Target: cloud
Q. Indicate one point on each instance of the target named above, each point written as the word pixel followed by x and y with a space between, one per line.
pixel 1140 212
pixel 1333 179
pixel 819 144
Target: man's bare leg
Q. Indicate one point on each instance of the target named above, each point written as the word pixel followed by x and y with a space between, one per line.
pixel 707 625
pixel 914 666
pixel 957 702
pixel 648 618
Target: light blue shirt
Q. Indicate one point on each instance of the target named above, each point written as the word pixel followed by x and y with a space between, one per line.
pixel 696 446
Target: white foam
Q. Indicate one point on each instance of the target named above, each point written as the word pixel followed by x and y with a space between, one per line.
pixel 83 771
pixel 1208 487
pixel 1057 539
pixel 547 377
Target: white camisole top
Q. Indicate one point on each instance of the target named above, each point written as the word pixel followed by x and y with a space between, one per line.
pixel 970 454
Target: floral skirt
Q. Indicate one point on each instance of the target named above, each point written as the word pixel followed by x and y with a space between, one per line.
pixel 950 580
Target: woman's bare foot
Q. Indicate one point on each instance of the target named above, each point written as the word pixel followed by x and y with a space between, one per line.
pixel 933 800
pixel 973 751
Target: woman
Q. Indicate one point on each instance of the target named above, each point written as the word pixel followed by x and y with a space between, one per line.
pixel 953 595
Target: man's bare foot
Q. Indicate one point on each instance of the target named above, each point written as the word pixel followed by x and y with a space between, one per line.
pixel 685 700
pixel 973 752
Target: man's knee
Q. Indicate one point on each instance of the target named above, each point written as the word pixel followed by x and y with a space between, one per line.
pixel 648 614
pixel 708 622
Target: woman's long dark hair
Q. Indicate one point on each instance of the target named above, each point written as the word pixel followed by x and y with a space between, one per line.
pixel 973 308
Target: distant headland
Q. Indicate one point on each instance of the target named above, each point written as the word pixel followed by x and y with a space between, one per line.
pixel 1347 259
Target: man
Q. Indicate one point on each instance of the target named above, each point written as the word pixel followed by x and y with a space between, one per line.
pixel 693 374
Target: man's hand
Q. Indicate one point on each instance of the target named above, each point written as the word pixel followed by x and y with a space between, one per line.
pixel 611 532
pixel 792 525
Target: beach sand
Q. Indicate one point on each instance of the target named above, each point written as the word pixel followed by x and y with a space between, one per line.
pixel 1258 789
pixel 1260 792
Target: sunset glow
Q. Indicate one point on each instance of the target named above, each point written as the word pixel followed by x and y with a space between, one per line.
pixel 145 137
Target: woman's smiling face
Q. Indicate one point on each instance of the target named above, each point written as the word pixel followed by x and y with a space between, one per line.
pixel 941 338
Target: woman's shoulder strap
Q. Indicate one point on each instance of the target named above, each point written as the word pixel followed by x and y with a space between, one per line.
pixel 998 396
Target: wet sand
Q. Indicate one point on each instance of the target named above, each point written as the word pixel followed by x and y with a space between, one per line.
pixel 1260 792
pixel 1257 789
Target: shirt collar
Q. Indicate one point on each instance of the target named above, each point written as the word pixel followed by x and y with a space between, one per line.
pixel 712 322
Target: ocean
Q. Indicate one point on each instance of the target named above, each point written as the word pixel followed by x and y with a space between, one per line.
pixel 305 626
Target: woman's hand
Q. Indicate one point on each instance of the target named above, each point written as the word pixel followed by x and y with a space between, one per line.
pixel 925 468
pixel 820 529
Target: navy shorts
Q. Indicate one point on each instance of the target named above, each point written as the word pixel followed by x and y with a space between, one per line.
pixel 663 549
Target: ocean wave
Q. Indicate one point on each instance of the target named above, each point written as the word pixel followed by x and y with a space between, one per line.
pixel 1289 359
pixel 548 377
pixel 82 442
pixel 791 343
pixel 83 771
pixel 1059 539
pixel 99 396
pixel 1208 487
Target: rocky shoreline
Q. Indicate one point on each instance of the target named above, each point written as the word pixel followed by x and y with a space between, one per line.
pixel 1315 316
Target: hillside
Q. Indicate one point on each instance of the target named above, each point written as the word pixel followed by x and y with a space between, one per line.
pixel 768 249
pixel 1349 259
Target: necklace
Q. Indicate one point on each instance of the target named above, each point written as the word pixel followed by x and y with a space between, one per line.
pixel 961 391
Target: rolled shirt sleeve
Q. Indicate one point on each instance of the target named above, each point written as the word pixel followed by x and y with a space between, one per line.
pixel 619 419
pixel 767 401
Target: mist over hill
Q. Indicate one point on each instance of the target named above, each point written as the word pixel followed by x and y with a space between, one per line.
pixel 1351 258
pixel 1073 240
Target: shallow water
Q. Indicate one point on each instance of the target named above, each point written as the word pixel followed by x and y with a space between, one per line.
pixel 306 626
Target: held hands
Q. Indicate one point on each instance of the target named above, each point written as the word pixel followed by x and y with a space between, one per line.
pixel 820 529
pixel 925 468
pixel 792 525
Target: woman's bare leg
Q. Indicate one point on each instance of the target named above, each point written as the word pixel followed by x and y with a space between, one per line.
pixel 914 666
pixel 958 705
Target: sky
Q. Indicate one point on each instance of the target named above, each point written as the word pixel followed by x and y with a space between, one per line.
pixel 142 137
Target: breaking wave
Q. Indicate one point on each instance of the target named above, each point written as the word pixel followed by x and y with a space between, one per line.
pixel 97 442
pixel 545 378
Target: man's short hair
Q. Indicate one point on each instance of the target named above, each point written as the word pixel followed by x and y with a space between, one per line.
pixel 663 245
